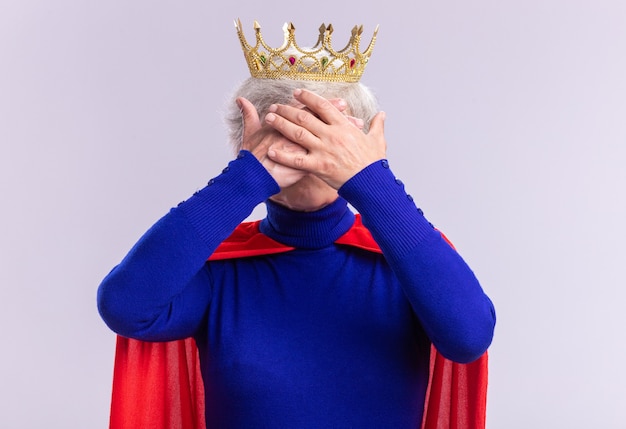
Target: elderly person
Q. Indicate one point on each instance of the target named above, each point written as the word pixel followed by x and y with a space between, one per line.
pixel 331 323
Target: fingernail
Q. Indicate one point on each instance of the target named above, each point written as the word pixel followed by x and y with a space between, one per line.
pixel 270 117
pixel 297 92
pixel 271 153
pixel 272 108
pixel 238 101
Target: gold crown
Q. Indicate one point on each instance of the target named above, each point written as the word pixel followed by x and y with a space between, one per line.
pixel 321 63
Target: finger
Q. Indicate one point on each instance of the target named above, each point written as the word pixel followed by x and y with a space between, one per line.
pixel 377 125
pixel 323 108
pixel 339 103
pixel 294 124
pixel 377 130
pixel 291 147
pixel 357 122
pixel 250 117
pixel 298 160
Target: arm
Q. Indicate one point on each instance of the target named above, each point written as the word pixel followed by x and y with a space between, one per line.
pixel 444 292
pixel 442 289
pixel 161 289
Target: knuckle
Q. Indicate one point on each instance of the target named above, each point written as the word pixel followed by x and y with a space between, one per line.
pixel 298 161
pixel 300 134
pixel 326 166
pixel 302 117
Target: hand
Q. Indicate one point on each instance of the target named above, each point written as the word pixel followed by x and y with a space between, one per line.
pixel 336 149
pixel 341 105
pixel 258 138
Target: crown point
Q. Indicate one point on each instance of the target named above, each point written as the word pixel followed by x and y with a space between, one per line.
pixel 257 26
pixel 291 27
pixel 375 31
pixel 330 29
pixel 320 38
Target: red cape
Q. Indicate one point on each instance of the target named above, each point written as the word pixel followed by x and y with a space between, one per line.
pixel 159 385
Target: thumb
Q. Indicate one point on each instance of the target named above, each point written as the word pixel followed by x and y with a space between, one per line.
pixel 250 117
pixel 377 125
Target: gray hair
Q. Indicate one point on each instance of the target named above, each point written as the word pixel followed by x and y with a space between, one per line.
pixel 264 92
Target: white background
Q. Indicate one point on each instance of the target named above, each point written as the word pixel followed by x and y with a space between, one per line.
pixel 506 121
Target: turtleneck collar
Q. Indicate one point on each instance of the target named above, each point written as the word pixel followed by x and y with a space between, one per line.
pixel 307 230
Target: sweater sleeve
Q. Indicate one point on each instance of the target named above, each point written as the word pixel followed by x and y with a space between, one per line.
pixel 445 294
pixel 161 289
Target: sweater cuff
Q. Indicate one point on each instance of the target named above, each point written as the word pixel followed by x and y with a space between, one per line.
pixel 228 199
pixel 386 209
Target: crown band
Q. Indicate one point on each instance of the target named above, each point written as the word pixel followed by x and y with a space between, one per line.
pixel 320 63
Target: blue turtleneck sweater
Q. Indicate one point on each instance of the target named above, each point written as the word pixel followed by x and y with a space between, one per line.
pixel 323 336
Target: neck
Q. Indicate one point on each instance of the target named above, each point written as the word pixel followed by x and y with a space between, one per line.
pixel 308 230
pixel 307 195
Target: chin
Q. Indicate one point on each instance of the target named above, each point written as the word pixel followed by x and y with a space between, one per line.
pixel 307 195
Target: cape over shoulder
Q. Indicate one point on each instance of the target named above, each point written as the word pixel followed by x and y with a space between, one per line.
pixel 247 240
